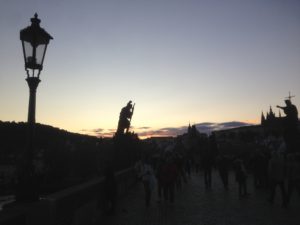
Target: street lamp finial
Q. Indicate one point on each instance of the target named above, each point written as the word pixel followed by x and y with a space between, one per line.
pixel 35 20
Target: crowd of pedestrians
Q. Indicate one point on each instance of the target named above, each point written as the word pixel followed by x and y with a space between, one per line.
pixel 271 169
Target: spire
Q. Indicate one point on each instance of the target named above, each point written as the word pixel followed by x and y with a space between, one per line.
pixel 272 114
pixel 189 127
pixel 263 119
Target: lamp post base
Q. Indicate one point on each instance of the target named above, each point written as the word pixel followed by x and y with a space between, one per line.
pixel 27 187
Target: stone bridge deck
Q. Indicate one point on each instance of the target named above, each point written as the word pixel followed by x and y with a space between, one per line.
pixel 194 205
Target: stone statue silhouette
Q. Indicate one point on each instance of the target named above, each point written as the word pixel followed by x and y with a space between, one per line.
pixel 291 122
pixel 291 112
pixel 125 118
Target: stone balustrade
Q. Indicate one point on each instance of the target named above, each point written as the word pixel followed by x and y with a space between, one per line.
pixel 81 204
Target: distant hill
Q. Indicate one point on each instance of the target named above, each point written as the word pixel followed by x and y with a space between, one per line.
pixel 14 138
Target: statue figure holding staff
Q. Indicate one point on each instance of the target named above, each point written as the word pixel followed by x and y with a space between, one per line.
pixel 125 118
pixel 291 123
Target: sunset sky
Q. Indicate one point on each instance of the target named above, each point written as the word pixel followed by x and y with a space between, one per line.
pixel 180 61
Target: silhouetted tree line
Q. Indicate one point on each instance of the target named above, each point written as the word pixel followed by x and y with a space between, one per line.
pixel 63 158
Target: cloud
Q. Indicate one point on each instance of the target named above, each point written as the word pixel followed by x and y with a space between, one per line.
pixel 100 132
pixel 209 127
pixel 163 132
pixel 111 130
pixel 206 124
pixel 143 128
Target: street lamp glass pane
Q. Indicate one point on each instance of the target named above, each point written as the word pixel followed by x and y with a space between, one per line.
pixel 28 51
pixel 40 54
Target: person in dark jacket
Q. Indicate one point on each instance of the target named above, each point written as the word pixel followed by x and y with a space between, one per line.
pixel 241 177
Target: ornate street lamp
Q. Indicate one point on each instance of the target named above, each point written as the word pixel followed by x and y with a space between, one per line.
pixel 34 43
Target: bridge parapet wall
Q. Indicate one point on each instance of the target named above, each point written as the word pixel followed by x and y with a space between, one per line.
pixel 81 204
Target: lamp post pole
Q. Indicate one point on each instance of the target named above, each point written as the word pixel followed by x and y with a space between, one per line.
pixel 34 43
pixel 33 83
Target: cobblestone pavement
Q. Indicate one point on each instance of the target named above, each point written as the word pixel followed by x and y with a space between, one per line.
pixel 194 205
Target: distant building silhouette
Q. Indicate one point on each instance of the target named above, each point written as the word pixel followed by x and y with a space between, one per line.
pixel 192 131
pixel 271 121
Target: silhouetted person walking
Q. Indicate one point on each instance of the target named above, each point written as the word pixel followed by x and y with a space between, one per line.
pixel 207 163
pixel 169 175
pixel 223 167
pixel 241 177
pixel 276 176
pixel 158 175
pixel 148 179
pixel 259 165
